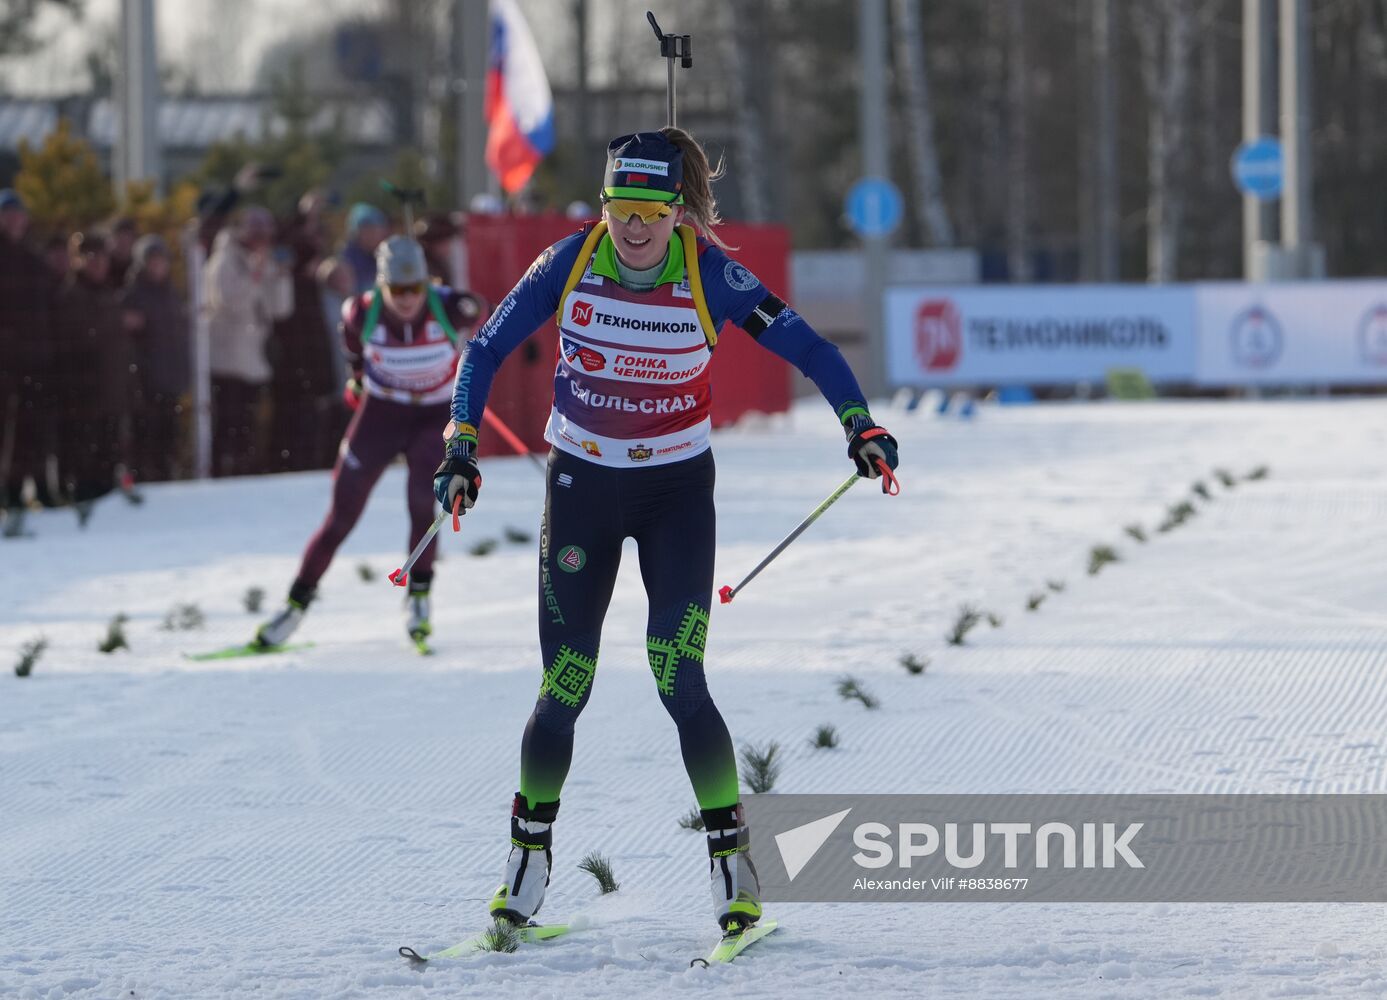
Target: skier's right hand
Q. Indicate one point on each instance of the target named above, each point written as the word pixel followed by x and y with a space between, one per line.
pixel 458 476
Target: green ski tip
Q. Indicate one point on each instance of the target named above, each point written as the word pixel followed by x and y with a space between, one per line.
pixel 529 934
pixel 736 942
pixel 249 649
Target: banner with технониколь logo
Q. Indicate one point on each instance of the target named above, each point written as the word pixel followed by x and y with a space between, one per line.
pixel 1038 336
pixel 1215 334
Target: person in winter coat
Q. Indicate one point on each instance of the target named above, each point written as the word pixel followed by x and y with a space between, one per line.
pixel 366 227
pixel 248 288
pixel 27 435
pixel 157 320
pixel 95 367
pixel 308 412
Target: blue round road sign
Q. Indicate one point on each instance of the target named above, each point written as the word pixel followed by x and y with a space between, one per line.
pixel 873 206
pixel 1258 168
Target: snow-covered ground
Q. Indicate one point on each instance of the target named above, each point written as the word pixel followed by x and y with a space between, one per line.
pixel 277 827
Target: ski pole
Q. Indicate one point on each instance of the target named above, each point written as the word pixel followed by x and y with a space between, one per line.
pixel 511 438
pixel 727 593
pixel 401 576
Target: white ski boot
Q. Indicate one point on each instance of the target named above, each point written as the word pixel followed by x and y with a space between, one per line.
pixel 278 630
pixel 417 623
pixel 531 857
pixel 732 876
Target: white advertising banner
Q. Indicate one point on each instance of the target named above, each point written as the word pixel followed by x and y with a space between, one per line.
pixel 1038 335
pixel 1330 332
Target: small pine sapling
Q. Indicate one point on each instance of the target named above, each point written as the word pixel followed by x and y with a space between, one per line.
pixel 115 635
pixel 502 936
pixel 851 689
pixel 1176 515
pixel 913 664
pixel 967 620
pixel 825 738
pixel 183 618
pixel 29 654
pixel 1099 556
pixel 760 766
pixel 600 868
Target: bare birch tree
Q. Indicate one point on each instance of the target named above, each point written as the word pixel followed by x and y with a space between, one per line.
pixel 1105 191
pixel 747 35
pixel 1165 36
pixel 931 211
pixel 1018 139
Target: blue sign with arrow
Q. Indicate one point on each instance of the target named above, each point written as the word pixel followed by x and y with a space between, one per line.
pixel 873 207
pixel 1258 168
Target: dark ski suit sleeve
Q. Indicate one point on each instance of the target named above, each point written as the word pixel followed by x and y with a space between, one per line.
pixel 530 304
pixel 735 294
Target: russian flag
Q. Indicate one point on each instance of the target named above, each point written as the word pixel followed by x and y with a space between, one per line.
pixel 519 104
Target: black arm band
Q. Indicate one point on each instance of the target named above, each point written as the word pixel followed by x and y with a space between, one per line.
pixel 764 315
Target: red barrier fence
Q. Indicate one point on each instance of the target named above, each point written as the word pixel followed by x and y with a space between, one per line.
pixel 745 377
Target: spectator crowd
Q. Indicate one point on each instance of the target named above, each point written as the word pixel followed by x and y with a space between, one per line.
pixel 96 377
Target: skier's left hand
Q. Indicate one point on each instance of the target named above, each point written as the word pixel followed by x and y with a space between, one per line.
pixel 870 448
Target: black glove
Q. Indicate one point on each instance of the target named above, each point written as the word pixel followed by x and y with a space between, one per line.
pixel 457 477
pixel 869 444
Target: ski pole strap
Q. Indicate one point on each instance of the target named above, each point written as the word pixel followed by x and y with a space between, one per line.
pixel 890 485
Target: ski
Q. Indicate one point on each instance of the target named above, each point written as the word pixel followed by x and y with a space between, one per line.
pixel 736 941
pixel 249 649
pixel 529 934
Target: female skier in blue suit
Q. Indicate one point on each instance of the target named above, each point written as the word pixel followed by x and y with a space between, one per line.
pixel 639 299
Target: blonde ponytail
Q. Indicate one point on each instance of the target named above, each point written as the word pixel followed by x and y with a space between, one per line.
pixel 700 207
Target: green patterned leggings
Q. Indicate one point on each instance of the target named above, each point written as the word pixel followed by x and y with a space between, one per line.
pixel 589 511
